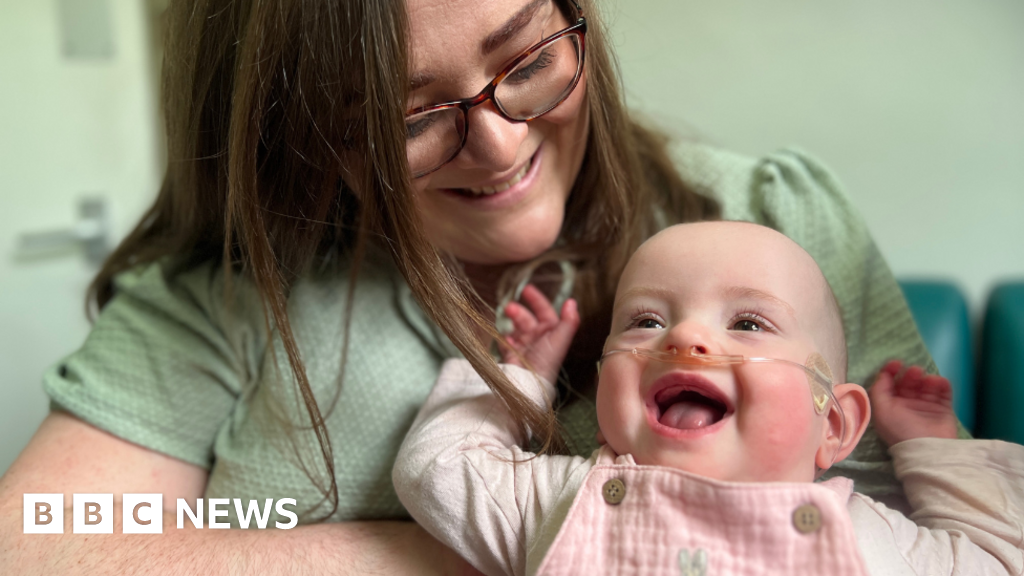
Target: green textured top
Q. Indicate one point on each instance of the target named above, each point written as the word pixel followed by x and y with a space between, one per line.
pixel 168 366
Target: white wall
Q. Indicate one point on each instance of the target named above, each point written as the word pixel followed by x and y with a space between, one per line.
pixel 68 127
pixel 917 105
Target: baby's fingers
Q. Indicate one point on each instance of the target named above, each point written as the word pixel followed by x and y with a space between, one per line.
pixel 523 322
pixel 560 337
pixel 883 387
pixel 908 384
pixel 893 367
pixel 935 388
pixel 540 305
pixel 570 320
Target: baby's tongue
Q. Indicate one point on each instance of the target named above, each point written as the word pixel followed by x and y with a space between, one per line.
pixel 688 415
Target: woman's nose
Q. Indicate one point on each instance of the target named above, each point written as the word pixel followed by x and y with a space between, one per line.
pixel 492 142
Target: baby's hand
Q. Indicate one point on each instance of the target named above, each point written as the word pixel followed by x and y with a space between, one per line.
pixel 540 337
pixel 912 404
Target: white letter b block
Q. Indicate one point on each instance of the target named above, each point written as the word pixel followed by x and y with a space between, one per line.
pixel 44 514
pixel 93 514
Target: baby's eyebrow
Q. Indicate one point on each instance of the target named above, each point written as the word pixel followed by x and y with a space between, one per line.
pixel 754 293
pixel 649 291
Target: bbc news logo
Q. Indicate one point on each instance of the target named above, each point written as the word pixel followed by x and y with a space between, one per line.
pixel 144 513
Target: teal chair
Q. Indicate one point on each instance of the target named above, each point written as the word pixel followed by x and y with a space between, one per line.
pixel 940 311
pixel 1001 398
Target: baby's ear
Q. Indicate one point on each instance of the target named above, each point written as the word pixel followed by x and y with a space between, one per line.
pixel 856 415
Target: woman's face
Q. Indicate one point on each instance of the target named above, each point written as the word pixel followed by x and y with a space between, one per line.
pixel 502 199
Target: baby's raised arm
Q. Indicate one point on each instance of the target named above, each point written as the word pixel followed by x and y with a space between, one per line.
pixel 911 404
pixel 966 496
pixel 540 338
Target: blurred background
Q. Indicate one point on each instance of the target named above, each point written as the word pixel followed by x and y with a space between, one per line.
pixel 916 105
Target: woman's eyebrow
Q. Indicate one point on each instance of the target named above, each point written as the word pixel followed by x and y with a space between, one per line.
pixel 419 80
pixel 510 28
pixel 492 42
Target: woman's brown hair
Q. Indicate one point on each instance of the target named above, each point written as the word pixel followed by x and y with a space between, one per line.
pixel 286 148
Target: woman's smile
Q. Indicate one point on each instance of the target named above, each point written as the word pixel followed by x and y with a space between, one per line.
pixel 504 192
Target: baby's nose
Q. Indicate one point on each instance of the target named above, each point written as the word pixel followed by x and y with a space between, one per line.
pixel 691 336
pixel 693 349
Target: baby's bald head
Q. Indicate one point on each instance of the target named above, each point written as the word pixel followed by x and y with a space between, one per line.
pixel 751 255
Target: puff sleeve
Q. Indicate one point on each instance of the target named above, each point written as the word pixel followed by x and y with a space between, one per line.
pixel 164 363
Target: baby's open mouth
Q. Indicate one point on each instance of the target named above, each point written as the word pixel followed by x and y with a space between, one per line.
pixel 687 409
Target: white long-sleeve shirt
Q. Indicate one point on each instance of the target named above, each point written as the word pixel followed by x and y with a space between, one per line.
pixel 458 476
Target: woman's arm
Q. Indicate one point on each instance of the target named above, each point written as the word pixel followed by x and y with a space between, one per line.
pixel 69 456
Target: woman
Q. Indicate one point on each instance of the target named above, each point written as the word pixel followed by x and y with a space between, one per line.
pixel 259 333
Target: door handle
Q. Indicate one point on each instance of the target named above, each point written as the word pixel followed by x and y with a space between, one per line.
pixel 91 232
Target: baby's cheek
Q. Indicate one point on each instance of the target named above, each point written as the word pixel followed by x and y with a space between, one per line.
pixel 781 450
pixel 782 443
pixel 616 406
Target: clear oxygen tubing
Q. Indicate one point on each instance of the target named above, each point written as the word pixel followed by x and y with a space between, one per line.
pixel 819 376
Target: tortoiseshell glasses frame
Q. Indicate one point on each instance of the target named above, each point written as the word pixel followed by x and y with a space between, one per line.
pixel 454 115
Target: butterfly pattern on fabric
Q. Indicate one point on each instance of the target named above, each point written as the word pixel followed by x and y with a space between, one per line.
pixel 695 566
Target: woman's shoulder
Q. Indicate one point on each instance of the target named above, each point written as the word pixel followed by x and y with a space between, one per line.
pixel 778 189
pixel 168 290
pixel 206 289
pixel 788 190
pixel 204 297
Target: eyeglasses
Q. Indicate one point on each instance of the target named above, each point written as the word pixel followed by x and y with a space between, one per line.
pixel 533 84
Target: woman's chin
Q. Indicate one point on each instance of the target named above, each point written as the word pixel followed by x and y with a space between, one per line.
pixel 507 251
pixel 510 244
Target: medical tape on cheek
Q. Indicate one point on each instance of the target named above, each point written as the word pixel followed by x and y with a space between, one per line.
pixel 817 373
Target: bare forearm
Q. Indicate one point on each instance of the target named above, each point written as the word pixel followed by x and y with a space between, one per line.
pixel 337 549
pixel 69 456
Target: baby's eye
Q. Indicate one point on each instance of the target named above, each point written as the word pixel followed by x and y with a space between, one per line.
pixel 648 323
pixel 645 321
pixel 750 322
pixel 747 325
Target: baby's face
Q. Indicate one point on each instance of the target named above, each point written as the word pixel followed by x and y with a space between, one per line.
pixel 717 288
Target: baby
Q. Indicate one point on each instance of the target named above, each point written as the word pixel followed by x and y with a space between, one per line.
pixel 718 409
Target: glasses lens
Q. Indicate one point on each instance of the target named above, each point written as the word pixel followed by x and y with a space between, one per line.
pixel 541 81
pixel 433 138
